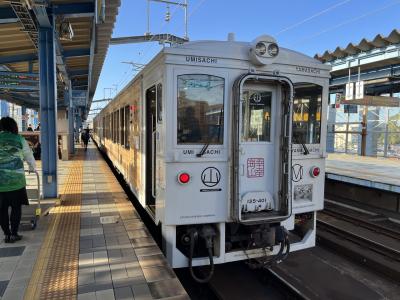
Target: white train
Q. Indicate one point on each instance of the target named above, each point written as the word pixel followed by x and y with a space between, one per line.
pixel 223 143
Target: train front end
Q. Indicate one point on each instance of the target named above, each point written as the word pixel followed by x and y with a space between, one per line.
pixel 244 153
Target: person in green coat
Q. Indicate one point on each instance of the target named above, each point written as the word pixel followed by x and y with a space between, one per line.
pixel 13 151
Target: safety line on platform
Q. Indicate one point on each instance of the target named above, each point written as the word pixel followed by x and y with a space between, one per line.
pixel 55 275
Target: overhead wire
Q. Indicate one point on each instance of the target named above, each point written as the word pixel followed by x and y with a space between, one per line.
pixel 196 7
pixel 348 22
pixel 199 4
pixel 324 11
pixel 150 46
pixel 164 25
pixel 132 72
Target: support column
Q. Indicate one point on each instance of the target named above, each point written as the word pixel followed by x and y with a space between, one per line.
pixel 48 111
pixel 71 116
pixel 23 116
pixel 78 124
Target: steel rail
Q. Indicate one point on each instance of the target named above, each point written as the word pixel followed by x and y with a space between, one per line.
pixel 378 228
pixel 360 240
pixel 286 283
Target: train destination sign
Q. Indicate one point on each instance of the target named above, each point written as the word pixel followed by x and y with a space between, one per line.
pixel 208 151
pixel 201 59
pixel 312 149
pixel 308 70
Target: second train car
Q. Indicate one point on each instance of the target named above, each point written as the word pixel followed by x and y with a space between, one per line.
pixel 223 143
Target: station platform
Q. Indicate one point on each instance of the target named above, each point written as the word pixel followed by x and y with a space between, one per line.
pixel 92 244
pixel 377 173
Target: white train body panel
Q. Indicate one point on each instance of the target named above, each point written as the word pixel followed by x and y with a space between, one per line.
pixel 183 102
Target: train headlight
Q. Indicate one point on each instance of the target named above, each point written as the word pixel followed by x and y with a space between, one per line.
pixel 273 49
pixel 183 178
pixel 261 49
pixel 315 171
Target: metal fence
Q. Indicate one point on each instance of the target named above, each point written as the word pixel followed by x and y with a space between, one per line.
pixel 368 130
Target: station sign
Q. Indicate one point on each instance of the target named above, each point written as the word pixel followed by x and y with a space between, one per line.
pixel 349 91
pixel 359 89
pixel 338 98
pixel 350 109
pixel 79 98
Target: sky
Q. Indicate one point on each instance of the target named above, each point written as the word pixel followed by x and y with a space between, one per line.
pixel 307 26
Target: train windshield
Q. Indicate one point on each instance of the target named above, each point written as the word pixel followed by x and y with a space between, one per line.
pixel 200 109
pixel 256 116
pixel 307 107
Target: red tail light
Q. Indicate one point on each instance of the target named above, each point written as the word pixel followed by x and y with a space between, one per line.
pixel 315 171
pixel 183 178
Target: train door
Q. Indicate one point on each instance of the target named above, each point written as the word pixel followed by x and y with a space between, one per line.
pixel 257 147
pixel 262 152
pixel 151 121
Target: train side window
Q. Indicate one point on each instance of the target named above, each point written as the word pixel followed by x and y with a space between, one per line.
pixel 103 127
pixel 127 126
pixel 122 126
pixel 200 109
pixel 159 103
pixel 307 108
pixel 112 127
pixel 256 116
pixel 117 126
pixel 107 126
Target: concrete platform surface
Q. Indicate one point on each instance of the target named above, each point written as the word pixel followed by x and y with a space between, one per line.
pixel 378 173
pixel 92 246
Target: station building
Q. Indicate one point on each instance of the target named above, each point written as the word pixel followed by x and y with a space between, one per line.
pixel 366 124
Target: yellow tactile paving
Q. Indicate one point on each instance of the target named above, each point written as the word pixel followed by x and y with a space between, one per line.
pixel 55 275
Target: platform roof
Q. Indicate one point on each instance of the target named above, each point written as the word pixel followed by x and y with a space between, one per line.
pixel 364 45
pixel 80 59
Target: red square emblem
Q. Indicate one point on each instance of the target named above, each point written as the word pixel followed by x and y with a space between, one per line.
pixel 255 167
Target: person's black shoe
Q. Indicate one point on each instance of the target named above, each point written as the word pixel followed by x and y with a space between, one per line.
pixel 7 239
pixel 15 238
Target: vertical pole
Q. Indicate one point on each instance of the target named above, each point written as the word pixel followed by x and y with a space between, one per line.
pixel 386 138
pixel 186 20
pixel 71 121
pixel 78 124
pixel 364 132
pixel 346 145
pixel 23 115
pixel 48 111
pixel 148 17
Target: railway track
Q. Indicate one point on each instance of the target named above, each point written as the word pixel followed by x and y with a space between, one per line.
pixel 375 246
pixel 245 283
pixel 298 278
pixel 375 224
pixel 256 284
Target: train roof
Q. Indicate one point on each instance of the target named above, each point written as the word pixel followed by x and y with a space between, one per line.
pixel 235 50
pixel 240 50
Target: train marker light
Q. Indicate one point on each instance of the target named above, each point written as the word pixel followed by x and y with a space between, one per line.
pixel 261 49
pixel 315 171
pixel 183 178
pixel 273 49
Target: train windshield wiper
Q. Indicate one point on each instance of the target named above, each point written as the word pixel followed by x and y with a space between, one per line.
pixel 203 150
pixel 306 151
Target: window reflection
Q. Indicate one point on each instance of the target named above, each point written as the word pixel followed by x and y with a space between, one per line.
pixel 256 116
pixel 200 109
pixel 307 114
